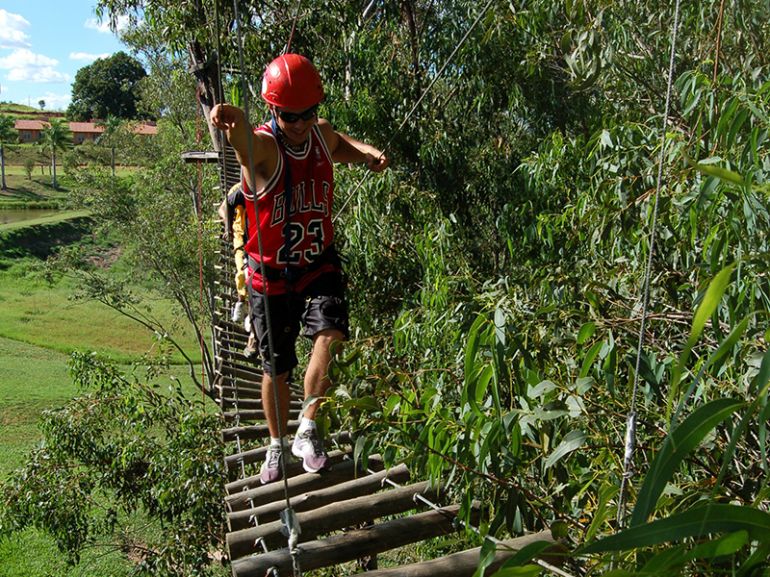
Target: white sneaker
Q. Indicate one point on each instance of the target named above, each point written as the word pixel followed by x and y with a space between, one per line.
pixel 271 468
pixel 309 447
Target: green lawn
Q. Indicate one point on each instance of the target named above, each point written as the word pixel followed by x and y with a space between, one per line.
pixel 31 311
pixel 39 326
pixel 48 219
pixel 35 190
pixel 32 379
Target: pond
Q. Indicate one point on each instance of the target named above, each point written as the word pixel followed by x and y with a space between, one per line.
pixel 11 215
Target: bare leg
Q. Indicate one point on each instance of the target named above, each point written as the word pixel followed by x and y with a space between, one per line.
pixel 268 403
pixel 317 374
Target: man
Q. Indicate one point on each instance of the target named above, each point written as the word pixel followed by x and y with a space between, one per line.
pixel 291 236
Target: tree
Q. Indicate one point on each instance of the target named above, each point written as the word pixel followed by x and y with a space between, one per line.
pixel 108 87
pixel 55 136
pixel 101 464
pixel 506 295
pixel 7 134
pixel 111 127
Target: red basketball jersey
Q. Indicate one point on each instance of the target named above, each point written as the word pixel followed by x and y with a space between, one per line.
pixel 309 228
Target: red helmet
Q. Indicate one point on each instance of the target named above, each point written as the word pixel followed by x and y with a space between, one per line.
pixel 291 81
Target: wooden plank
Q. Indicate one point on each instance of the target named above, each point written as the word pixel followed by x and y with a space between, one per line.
pixel 200 156
pixel 464 563
pixel 337 493
pixel 246 403
pixel 245 369
pixel 332 517
pixel 251 432
pixel 255 415
pixel 355 544
pixel 249 389
pixel 229 392
pixel 294 467
pixel 339 473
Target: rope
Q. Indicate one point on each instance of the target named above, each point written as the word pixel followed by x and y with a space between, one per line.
pixel 199 200
pixel 630 437
pixel 223 180
pixel 419 101
pixel 293 529
pixel 293 27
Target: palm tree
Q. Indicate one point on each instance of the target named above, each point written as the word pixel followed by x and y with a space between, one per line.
pixel 111 127
pixel 7 134
pixel 56 136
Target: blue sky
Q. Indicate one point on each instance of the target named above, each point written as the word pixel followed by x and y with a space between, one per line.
pixel 43 43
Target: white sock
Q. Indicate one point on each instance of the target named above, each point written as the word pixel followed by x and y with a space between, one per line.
pixel 305 424
pixel 278 441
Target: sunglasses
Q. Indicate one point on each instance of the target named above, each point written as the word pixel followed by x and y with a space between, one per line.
pixel 292 117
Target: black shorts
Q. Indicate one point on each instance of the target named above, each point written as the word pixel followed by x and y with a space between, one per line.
pixel 321 306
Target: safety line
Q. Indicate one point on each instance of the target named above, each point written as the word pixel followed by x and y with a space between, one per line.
pixel 630 437
pixel 293 27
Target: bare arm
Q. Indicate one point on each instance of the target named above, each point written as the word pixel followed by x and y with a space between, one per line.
pixel 238 130
pixel 347 149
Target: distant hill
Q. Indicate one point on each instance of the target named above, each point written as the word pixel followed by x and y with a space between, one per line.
pixel 14 109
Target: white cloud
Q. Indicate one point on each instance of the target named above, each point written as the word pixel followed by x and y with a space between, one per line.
pixel 12 33
pixel 87 56
pixel 25 66
pixel 104 26
pixel 53 101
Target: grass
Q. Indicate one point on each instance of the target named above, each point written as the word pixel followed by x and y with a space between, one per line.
pixel 33 379
pixel 34 312
pixel 48 219
pixel 37 190
pixel 39 326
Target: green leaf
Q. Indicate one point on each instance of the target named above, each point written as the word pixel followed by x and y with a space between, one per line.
pixel 676 447
pixel 706 309
pixel 699 521
pixel 606 492
pixel 709 303
pixel 486 556
pixel 590 357
pixel 667 561
pixel 713 361
pixel 720 173
pixel 763 375
pixel 571 442
pixel 524 555
pixel 523 571
pixel 472 347
pixel 727 545
pixel 586 332
pixel 359 448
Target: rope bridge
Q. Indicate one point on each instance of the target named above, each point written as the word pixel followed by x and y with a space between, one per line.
pixel 347 513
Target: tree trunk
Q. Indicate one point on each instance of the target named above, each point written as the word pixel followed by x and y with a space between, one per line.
pixel 53 168
pixel 2 166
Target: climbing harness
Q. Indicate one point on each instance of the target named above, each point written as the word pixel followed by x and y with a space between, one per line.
pixel 630 436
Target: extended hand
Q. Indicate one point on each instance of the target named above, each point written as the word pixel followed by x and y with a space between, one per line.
pixel 225 116
pixel 377 163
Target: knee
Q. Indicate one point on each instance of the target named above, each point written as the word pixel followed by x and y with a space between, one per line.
pixel 329 340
